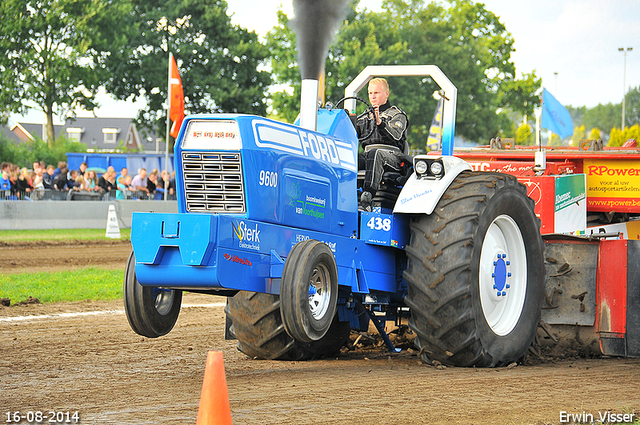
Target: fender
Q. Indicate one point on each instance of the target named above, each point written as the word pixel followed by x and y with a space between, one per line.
pixel 421 195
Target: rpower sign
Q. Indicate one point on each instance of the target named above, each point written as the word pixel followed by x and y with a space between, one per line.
pixel 612 185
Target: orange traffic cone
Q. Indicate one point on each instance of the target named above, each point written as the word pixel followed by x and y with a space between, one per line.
pixel 214 398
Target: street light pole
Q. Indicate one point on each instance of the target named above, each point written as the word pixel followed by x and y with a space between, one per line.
pixel 624 80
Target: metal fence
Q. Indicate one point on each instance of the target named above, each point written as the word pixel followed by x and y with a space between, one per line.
pixel 80 195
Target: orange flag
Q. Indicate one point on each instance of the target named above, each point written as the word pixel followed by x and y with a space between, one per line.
pixel 176 103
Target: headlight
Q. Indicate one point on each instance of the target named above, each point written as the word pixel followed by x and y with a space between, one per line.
pixel 427 168
pixel 421 167
pixel 436 168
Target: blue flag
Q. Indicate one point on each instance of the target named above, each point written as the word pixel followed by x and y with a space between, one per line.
pixel 555 117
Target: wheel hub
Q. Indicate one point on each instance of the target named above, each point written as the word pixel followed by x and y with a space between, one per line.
pixel 501 274
pixel 503 288
pixel 319 292
pixel 163 300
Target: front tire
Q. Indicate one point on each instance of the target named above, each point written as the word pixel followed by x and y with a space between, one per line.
pixel 309 290
pixel 476 273
pixel 151 311
pixel 256 322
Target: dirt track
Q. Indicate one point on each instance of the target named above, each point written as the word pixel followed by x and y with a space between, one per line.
pixel 94 364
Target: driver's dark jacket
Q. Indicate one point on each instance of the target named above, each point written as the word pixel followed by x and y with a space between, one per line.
pixel 391 131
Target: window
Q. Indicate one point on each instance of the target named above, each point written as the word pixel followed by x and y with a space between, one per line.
pixel 75 133
pixel 110 135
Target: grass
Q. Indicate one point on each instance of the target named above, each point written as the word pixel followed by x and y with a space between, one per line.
pixel 76 285
pixel 57 234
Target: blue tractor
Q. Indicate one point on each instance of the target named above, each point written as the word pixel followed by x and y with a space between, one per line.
pixel 268 216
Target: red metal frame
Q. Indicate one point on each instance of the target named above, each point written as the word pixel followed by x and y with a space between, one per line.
pixel 611 317
pixel 602 195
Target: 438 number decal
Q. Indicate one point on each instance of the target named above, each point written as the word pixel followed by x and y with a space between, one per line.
pixel 377 223
pixel 268 178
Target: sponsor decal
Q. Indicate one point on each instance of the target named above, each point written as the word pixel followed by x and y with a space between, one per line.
pixel 311 206
pixel 612 184
pixel 301 238
pixel 236 259
pixel 248 237
pixel 196 134
pixel 415 196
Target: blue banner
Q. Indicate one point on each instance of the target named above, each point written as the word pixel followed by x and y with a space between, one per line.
pixel 434 141
pixel 555 117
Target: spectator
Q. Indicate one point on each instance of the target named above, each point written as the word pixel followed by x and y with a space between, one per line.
pixel 160 185
pixel 124 185
pixel 37 178
pixel 107 183
pixel 161 179
pixel 23 186
pixel 71 179
pixel 139 182
pixel 13 179
pixel 92 181
pixel 172 186
pixel 36 167
pixel 6 166
pixel 81 184
pixel 38 186
pixel 61 164
pixel 5 183
pixel 64 182
pixel 151 182
pixel 83 169
pixel 124 172
pixel 47 177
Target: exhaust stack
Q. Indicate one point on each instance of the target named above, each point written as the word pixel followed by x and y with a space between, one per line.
pixel 309 104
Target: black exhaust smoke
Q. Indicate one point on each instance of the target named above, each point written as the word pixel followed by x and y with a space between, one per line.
pixel 315 24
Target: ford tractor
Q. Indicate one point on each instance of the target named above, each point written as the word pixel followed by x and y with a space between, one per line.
pixel 268 217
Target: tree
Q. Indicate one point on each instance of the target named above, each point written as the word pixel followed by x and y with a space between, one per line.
pixel 524 135
pixel 521 95
pixel 632 107
pixel 579 133
pixel 594 134
pixel 218 62
pixel 603 116
pixel 49 55
pixel 465 40
pixel 618 137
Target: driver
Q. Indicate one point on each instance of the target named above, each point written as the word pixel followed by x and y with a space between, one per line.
pixel 386 126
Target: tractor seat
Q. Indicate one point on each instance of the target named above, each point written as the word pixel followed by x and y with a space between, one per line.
pixel 392 179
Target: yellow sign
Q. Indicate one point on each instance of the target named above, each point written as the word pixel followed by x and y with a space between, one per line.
pixel 613 185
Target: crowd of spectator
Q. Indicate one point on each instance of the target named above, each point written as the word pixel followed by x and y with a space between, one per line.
pixel 42 180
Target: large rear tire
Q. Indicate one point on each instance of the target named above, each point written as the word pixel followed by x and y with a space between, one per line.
pixel 476 272
pixel 151 311
pixel 257 324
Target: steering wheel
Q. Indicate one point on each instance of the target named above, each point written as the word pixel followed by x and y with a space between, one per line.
pixel 369 109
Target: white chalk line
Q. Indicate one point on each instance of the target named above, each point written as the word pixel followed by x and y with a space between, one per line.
pixel 90 313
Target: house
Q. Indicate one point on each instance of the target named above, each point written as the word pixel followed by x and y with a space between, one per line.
pixel 98 134
pixel 103 134
pixel 22 132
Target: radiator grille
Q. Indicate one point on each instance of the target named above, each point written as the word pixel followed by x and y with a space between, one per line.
pixel 213 182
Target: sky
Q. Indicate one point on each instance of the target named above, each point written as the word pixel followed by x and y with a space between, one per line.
pixel 571 44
